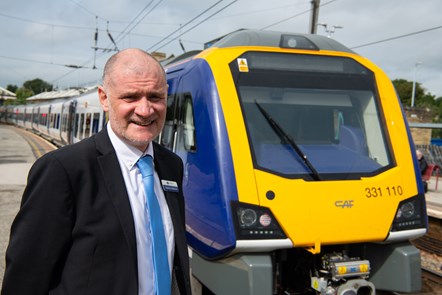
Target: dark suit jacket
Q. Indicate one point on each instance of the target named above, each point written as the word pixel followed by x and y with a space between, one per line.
pixel 74 233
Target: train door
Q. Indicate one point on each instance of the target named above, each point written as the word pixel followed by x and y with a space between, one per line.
pixel 71 120
pixel 35 118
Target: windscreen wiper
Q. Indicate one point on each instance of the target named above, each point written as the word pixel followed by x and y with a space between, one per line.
pixel 284 136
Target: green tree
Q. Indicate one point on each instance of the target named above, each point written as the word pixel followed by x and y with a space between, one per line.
pixel 12 88
pixel 404 89
pixel 23 93
pixel 37 86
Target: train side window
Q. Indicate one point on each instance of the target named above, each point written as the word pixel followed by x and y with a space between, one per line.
pixel 185 139
pixel 57 121
pixel 167 134
pixel 188 124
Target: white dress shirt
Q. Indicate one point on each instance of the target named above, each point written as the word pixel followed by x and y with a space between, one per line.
pixel 128 157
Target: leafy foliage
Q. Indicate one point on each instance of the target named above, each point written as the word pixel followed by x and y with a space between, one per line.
pixel 37 86
pixel 29 88
pixel 422 99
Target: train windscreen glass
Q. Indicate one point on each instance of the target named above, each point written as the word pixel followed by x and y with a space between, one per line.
pixel 325 109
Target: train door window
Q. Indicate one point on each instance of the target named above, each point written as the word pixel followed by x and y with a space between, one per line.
pixel 95 122
pixel 105 118
pixel 87 125
pixel 81 127
pixel 76 125
pixel 35 117
pixel 64 119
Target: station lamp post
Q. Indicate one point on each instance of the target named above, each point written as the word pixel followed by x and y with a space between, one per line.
pixel 413 92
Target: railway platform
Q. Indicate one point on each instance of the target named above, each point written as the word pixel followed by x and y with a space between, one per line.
pixel 434 198
pixel 18 151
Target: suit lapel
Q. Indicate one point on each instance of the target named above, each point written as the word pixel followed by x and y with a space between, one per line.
pixel 165 168
pixel 116 187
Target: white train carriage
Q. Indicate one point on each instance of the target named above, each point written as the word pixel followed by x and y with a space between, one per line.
pixel 54 118
pixel 89 116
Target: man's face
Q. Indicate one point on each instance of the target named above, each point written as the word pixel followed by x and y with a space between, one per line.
pixel 136 102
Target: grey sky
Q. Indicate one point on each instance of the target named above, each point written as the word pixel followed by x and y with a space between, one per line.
pixel 39 37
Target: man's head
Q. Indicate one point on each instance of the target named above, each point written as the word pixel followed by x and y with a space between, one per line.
pixel 419 154
pixel 134 92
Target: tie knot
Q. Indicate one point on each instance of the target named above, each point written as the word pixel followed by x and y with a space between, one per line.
pixel 145 164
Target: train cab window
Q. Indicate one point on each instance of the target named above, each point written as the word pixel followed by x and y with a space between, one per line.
pixel 319 107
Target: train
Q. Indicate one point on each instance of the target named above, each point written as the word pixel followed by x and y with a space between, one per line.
pixel 300 172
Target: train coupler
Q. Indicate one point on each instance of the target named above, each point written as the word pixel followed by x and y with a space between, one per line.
pixel 343 275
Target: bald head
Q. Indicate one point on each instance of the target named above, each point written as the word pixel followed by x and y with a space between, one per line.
pixel 134 93
pixel 132 59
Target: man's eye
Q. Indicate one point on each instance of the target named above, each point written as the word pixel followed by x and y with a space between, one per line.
pixel 128 98
pixel 155 98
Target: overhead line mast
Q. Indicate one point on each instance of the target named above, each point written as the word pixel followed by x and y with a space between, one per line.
pixel 314 16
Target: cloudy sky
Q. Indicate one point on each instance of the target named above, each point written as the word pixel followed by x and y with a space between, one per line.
pixel 40 37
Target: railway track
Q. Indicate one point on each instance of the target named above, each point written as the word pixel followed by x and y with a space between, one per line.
pixel 431 256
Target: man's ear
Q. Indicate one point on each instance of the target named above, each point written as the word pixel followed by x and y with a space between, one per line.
pixel 103 98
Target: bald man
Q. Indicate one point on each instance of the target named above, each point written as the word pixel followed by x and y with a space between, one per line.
pixel 82 227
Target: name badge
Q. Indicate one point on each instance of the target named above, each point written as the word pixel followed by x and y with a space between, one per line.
pixel 169 186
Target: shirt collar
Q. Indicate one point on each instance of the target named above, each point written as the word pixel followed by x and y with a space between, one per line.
pixel 128 154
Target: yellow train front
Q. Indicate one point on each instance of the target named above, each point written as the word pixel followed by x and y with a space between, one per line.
pixel 300 171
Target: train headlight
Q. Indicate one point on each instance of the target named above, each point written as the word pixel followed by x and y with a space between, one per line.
pixel 296 42
pixel 247 217
pixel 410 214
pixel 406 210
pixel 255 222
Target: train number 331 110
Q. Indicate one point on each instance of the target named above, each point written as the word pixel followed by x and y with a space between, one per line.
pixel 374 192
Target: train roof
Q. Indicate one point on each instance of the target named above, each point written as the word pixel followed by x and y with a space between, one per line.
pixel 245 37
pixel 277 39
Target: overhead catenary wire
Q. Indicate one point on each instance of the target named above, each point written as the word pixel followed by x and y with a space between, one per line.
pixel 397 37
pixel 296 15
pixel 136 21
pixel 193 27
pixel 187 23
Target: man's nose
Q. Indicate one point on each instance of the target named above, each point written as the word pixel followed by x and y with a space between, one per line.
pixel 144 107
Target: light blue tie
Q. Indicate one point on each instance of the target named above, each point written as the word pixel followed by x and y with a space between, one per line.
pixel 153 212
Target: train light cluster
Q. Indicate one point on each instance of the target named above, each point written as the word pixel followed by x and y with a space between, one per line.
pixel 409 214
pixel 255 222
pixel 296 41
